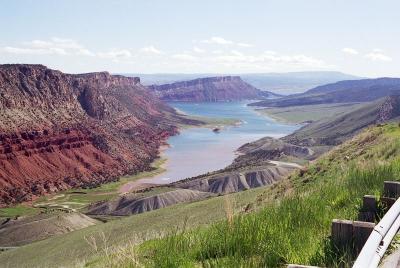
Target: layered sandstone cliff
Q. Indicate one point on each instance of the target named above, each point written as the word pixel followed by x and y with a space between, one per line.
pixel 59 131
pixel 210 89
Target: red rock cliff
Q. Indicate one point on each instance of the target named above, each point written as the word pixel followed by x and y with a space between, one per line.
pixel 59 131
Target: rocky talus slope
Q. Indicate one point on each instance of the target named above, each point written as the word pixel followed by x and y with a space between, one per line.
pixel 59 131
pixel 210 89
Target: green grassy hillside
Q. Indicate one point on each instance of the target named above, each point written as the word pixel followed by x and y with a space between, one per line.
pixel 334 130
pixel 306 113
pixel 288 222
pixel 294 225
pixel 79 247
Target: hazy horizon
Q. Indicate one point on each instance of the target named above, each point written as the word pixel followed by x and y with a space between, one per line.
pixel 151 37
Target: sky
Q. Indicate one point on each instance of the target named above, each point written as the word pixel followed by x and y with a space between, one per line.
pixel 359 37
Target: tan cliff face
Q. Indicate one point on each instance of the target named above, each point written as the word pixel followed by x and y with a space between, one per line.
pixel 210 89
pixel 59 131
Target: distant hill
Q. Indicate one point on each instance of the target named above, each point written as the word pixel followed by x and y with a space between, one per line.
pixel 294 82
pixel 364 90
pixel 282 83
pixel 210 89
pixel 334 130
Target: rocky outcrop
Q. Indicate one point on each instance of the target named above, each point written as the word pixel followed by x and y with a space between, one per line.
pixel 269 149
pixel 131 204
pixel 237 181
pixel 59 131
pixel 210 89
pixel 190 190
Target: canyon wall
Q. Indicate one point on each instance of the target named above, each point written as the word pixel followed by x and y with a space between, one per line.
pixel 59 131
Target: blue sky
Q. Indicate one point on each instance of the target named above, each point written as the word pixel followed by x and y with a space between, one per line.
pixel 360 37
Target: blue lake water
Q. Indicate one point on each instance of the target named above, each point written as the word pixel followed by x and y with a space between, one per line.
pixel 199 150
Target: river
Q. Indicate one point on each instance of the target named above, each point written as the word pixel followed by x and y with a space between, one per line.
pixel 199 150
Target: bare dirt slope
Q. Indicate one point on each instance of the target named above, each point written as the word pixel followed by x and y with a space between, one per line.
pixel 130 204
pixel 27 230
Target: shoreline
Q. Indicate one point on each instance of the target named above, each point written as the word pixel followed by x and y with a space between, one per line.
pixel 128 183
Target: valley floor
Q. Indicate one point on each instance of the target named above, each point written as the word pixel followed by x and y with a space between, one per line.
pixel 288 222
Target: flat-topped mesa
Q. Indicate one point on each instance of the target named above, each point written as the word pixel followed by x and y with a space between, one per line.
pixel 105 79
pixel 59 131
pixel 209 89
pixel 195 82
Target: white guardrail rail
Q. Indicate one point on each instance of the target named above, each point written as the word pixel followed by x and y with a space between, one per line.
pixel 380 239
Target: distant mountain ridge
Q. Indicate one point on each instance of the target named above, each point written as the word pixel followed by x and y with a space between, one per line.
pixel 364 90
pixel 281 83
pixel 294 82
pixel 209 89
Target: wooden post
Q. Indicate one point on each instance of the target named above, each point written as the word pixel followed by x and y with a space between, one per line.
pixel 342 233
pixel 391 189
pixel 361 232
pixel 387 202
pixel 350 235
pixel 300 266
pixel 369 209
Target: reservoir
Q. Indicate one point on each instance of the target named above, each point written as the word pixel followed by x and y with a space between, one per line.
pixel 200 150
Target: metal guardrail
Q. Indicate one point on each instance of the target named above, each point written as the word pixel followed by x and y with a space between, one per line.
pixel 380 239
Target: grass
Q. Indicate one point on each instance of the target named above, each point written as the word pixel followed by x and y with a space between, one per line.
pixel 300 114
pixel 288 222
pixel 79 198
pixel 18 210
pixel 73 249
pixel 294 225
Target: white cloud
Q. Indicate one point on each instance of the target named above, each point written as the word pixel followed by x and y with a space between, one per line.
pixel 270 52
pixel 54 46
pixel 34 51
pixel 217 51
pixel 217 40
pixel 377 50
pixel 23 51
pixel 184 57
pixel 237 53
pixel 198 50
pixel 116 54
pixel 151 50
pixel 376 56
pixel 244 45
pixel 350 51
pixel 270 59
pixel 85 52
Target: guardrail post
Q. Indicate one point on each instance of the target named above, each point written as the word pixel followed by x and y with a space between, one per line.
pixel 369 209
pixel 387 202
pixel 350 235
pixel 391 189
pixel 361 232
pixel 342 233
